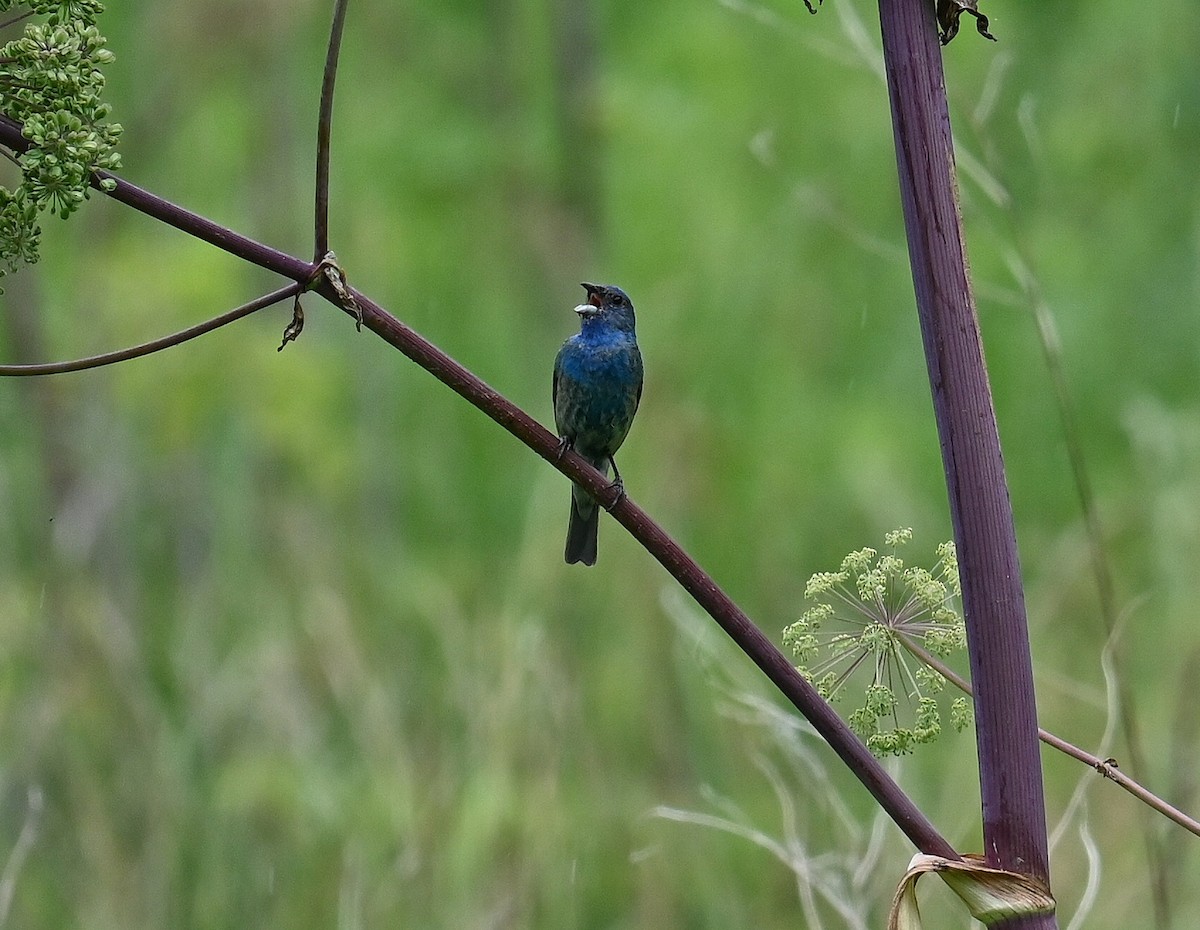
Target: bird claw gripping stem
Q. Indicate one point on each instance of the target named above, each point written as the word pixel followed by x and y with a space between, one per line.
pixel 617 486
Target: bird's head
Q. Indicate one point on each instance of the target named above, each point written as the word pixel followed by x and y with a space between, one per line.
pixel 607 303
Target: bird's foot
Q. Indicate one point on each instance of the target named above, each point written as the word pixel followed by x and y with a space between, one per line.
pixel 618 487
pixel 563 445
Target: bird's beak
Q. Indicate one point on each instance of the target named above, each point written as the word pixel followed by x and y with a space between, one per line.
pixel 594 296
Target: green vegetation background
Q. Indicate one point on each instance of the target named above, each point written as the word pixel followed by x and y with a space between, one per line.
pixel 286 640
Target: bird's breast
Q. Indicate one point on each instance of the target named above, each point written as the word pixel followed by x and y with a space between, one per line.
pixel 598 386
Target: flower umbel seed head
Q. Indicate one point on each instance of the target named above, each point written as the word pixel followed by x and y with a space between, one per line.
pixel 50 82
pixel 876 615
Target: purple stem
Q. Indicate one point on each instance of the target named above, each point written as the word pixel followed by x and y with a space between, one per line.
pixel 324 130
pixel 1014 819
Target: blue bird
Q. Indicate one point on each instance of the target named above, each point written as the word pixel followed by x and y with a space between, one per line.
pixel 597 386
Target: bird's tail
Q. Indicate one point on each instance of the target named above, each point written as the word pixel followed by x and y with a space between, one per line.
pixel 584 529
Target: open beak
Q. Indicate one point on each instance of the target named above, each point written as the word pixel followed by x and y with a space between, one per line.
pixel 593 292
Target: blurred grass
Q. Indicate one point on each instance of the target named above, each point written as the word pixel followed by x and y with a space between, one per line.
pixel 288 640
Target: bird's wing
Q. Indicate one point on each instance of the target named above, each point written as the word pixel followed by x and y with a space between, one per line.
pixel 637 400
pixel 558 369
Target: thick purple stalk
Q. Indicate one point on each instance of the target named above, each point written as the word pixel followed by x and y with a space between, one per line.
pixel 1014 818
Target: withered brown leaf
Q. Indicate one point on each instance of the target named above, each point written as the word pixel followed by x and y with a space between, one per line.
pixel 948 12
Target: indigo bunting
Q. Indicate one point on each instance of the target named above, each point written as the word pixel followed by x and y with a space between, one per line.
pixel 597 386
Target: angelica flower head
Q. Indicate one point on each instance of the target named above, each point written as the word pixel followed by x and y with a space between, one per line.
pixel 875 616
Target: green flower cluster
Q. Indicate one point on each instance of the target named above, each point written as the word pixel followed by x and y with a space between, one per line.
pixel 874 613
pixel 50 83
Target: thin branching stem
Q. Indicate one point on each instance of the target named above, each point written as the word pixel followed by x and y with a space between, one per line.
pixel 1105 767
pixel 1127 716
pixel 155 345
pixel 324 129
pixel 13 20
pixel 857 606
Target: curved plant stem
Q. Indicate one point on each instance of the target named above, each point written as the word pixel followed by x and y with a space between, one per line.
pixel 324 128
pixel 13 20
pixel 156 345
